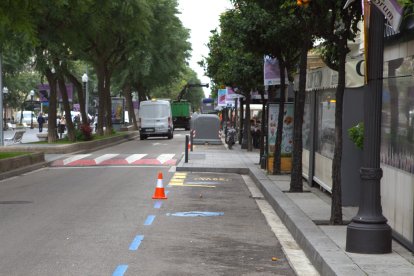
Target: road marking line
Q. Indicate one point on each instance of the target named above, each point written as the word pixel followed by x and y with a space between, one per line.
pixel 172 169
pixel 157 204
pixel 294 254
pixel 149 220
pixel 203 183
pixel 180 174
pixel 74 158
pixel 165 157
pixel 120 270
pixel 177 180
pixel 192 185
pixel 136 242
pixel 104 157
pixel 134 157
pixel 112 167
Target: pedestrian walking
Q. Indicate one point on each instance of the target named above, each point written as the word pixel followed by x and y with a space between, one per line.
pixel 40 121
pixel 62 126
pixel 77 120
pixel 95 122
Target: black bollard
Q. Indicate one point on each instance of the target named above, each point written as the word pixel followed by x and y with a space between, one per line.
pixel 186 149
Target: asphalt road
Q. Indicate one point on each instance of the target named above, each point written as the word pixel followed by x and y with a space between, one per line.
pixel 102 220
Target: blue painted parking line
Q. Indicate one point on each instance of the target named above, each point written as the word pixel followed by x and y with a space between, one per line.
pixel 136 242
pixel 157 204
pixel 149 220
pixel 196 214
pixel 120 270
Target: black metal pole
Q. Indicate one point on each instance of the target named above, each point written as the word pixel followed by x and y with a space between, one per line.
pixel 186 149
pixel 31 113
pixel 191 139
pixel 369 232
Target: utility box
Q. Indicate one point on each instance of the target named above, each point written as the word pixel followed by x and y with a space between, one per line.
pixel 206 129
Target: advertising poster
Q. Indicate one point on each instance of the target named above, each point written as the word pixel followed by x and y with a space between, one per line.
pixel 287 135
pixel 118 108
pixel 221 95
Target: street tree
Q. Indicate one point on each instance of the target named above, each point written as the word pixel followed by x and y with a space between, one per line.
pixel 340 26
pixel 159 59
pixel 109 30
pixel 267 30
pixel 231 64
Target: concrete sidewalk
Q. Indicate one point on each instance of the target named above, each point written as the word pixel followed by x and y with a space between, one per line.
pixel 306 215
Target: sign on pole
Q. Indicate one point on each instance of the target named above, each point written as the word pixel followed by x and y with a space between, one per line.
pixel 390 8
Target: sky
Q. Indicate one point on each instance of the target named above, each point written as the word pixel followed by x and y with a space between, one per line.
pixel 200 17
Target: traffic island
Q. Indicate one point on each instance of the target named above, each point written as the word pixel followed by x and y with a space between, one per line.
pixel 20 164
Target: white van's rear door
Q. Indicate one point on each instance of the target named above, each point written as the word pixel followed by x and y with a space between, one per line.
pixel 154 116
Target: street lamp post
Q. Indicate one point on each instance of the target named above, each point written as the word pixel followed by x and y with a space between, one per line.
pixel 5 91
pixel 31 103
pixel 369 232
pixel 85 89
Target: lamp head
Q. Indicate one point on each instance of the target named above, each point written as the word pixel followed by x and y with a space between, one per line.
pixel 84 78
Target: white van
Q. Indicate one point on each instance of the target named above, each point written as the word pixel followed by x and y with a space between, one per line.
pixel 27 117
pixel 155 119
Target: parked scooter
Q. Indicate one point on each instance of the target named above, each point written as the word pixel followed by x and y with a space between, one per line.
pixel 231 137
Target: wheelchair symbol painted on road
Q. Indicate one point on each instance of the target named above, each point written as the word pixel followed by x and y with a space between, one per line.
pixel 196 214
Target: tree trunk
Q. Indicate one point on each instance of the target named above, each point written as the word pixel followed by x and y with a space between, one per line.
pixel 66 106
pixel 247 134
pixel 296 184
pixel 108 102
pixel 279 132
pixel 101 105
pixel 262 125
pixel 81 98
pixel 130 106
pixel 248 125
pixel 241 121
pixel 336 206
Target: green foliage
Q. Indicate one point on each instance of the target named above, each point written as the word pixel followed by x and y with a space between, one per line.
pixel 356 134
pixel 4 155
pixel 230 62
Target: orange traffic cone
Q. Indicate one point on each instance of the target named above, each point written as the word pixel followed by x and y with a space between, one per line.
pixel 189 146
pixel 159 190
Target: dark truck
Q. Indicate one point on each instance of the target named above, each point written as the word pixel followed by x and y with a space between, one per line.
pixel 181 114
pixel 181 109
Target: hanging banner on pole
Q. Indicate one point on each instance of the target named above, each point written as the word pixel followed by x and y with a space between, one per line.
pixel 231 94
pixel 221 97
pixel 44 92
pixel 391 10
pixel 271 71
